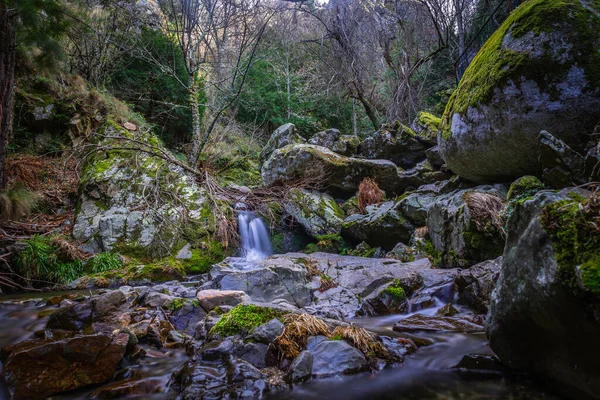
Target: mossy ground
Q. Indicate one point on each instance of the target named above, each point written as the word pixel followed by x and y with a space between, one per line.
pixel 396 291
pixel 243 319
pixel 574 226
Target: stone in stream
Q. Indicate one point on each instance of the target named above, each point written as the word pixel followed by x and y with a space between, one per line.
pixel 129 388
pixel 301 368
pixel 482 363
pixel 38 369
pixel 419 322
pixel 336 357
pixel 475 284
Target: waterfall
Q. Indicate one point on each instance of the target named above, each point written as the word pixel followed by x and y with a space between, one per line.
pixel 254 236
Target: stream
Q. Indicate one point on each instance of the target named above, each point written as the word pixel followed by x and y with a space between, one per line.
pixel 427 374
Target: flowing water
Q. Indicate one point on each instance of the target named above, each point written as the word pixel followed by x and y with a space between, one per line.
pixel 254 236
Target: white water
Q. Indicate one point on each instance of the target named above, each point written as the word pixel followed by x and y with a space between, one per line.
pixel 254 236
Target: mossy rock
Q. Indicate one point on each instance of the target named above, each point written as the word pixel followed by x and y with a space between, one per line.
pixel 317 212
pixel 539 71
pixel 243 319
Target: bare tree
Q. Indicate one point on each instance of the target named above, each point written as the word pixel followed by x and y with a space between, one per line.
pixel 218 41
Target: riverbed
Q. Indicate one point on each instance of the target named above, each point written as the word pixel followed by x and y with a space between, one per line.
pixel 427 374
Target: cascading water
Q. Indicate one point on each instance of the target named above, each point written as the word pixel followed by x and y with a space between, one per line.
pixel 254 236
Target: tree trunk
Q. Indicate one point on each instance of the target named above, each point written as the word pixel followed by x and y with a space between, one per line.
pixel 7 78
pixel 196 120
pixel 368 110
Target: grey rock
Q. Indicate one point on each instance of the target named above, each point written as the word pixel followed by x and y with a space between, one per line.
pixel 211 299
pixel 283 136
pixel 317 212
pixel 253 353
pixel 301 368
pixel 475 285
pixel 184 253
pixel 493 138
pixel 382 225
pixel 434 156
pixel 415 207
pixel 187 317
pixel 400 146
pixel 266 333
pixel 402 252
pixel 454 233
pixel 335 172
pixel 336 357
pixel 536 322
pixel 561 165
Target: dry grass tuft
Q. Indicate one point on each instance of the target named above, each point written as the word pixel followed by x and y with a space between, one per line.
pixel 69 251
pixel 311 267
pixel 422 232
pixel 368 194
pixel 298 327
pixel 362 340
pixel 486 211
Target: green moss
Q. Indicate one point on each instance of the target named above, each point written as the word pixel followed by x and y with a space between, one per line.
pixel 494 65
pixel 431 252
pixel 396 291
pixel 362 250
pixel 575 241
pixel 243 319
pixel 429 121
pixel 177 304
pixel 524 186
pixel 203 260
pixel 161 271
pixel 328 243
pixel 278 242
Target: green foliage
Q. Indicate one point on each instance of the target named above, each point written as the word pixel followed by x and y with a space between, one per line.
pixel 103 262
pixel 40 261
pixel 17 202
pixel 573 225
pixel 264 100
pixel 328 243
pixel 524 186
pixel 396 291
pixel 158 96
pixel 40 24
pixel 243 319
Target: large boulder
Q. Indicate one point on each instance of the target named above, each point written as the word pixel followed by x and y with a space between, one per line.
pixel 465 226
pixel 37 369
pixel 537 71
pixel 114 208
pixel 399 144
pixel 335 172
pixel 545 311
pixel 284 135
pixel 382 225
pixel 317 212
pixel 333 139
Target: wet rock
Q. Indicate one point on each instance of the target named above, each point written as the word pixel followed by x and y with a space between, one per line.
pixel 402 253
pixel 275 278
pixel 485 363
pixel 337 173
pixel 382 225
pixel 76 317
pixel 38 369
pixel 128 388
pixel 475 285
pixel 211 299
pixel 335 357
pixel 419 322
pixel 447 311
pixel 187 317
pixel 253 353
pixel 301 368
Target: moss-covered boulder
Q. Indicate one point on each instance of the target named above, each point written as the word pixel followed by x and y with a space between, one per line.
pixel 317 212
pixel 334 140
pixel 465 226
pixel 336 173
pixel 545 311
pixel 538 71
pixel 283 136
pixel 139 203
pixel 427 126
